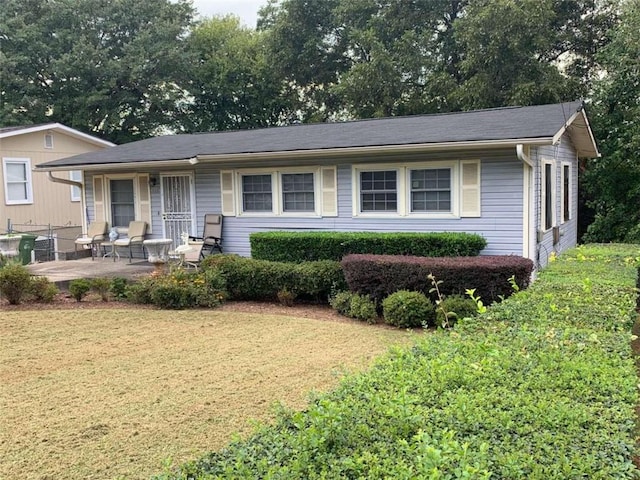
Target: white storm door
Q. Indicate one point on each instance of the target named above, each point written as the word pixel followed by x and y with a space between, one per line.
pixel 178 206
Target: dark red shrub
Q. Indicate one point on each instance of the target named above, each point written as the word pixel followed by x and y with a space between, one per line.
pixel 381 275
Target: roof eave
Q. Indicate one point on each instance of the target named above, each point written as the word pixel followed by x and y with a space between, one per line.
pixel 374 150
pixel 63 128
pixel 325 153
pixel 578 128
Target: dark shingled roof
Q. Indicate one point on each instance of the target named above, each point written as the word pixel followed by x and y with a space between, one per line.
pixel 509 123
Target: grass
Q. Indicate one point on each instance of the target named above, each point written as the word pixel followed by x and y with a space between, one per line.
pixel 117 393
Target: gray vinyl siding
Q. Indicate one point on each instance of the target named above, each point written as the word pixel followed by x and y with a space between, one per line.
pixel 561 153
pixel 500 222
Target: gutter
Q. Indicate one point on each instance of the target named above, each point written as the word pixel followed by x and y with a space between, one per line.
pixel 523 157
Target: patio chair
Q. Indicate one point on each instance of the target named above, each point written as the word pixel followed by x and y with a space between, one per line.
pixel 211 236
pixel 96 233
pixel 135 236
pixel 188 255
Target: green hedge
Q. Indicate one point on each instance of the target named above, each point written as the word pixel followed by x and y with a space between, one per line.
pixel 251 279
pixel 543 386
pixel 307 246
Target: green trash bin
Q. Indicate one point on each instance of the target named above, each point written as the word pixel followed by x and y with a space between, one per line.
pixel 27 245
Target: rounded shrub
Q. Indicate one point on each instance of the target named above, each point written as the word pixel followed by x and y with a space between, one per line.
pixel 341 302
pixel 363 308
pixel 118 288
pixel 460 305
pixel 354 305
pixel 42 290
pixel 101 286
pixel 406 309
pixel 79 288
pixel 15 282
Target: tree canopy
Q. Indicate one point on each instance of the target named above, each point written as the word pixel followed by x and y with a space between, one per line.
pixel 231 81
pixel 612 183
pixel 364 58
pixel 110 68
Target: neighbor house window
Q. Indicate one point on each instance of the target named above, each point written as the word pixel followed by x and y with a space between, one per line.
pixel 76 176
pixel 17 181
pixel 547 196
pixel 298 192
pixel 379 191
pixel 431 190
pixel 48 140
pixel 257 193
pixel 123 208
pixel 566 193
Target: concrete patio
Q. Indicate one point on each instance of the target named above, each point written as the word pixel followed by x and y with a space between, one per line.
pixel 62 272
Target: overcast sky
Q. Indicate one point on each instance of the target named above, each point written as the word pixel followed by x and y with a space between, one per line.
pixel 247 10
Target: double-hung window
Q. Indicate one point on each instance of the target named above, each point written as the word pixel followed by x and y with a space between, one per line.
pixel 18 188
pixel 431 190
pixel 289 192
pixel 298 192
pixel 379 191
pixel 123 208
pixel 257 193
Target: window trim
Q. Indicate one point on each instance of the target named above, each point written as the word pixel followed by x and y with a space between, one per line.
pixel 273 194
pixel 277 204
pixel 358 182
pixel 566 194
pixel 404 188
pixel 543 195
pixel 315 209
pixel 28 180
pixel 107 196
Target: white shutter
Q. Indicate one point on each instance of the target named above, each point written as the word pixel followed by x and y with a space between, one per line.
pixel 329 194
pixel 470 184
pixel 98 199
pixel 227 194
pixel 144 200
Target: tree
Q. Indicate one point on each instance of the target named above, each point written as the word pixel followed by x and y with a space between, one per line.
pixel 612 183
pixel 364 58
pixel 531 51
pixel 232 82
pixel 109 68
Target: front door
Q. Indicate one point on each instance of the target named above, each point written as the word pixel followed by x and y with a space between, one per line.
pixel 178 206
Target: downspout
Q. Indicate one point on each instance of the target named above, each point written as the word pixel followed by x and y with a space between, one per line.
pixel 66 181
pixel 531 247
pixel 73 183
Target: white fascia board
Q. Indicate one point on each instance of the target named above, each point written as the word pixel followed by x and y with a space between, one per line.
pixel 372 150
pixel 117 166
pixel 61 128
pixel 582 115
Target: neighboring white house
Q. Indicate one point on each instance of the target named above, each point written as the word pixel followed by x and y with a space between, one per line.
pixel 31 198
pixel 508 174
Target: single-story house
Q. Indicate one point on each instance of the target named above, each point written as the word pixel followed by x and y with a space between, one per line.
pixel 508 174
